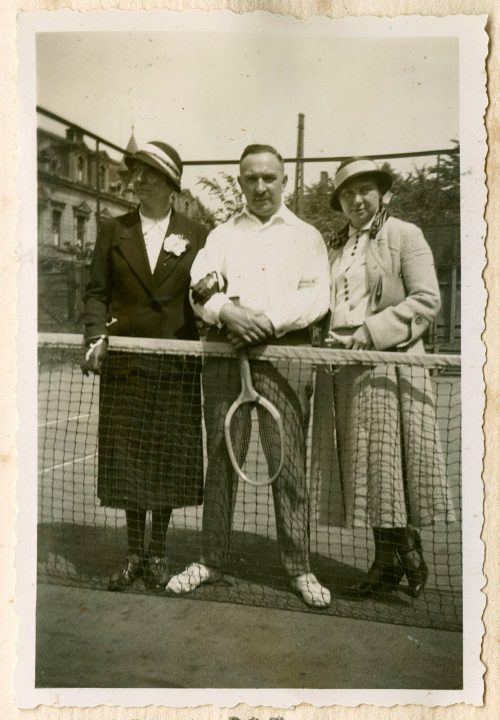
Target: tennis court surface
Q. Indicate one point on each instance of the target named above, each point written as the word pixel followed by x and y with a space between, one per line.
pixel 89 638
pixel 80 543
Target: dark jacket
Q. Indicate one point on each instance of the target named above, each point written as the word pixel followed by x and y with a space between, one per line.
pixel 124 298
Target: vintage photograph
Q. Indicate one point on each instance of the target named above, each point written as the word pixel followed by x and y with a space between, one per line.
pixel 257 307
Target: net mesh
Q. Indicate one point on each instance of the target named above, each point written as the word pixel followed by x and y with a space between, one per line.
pixel 372 440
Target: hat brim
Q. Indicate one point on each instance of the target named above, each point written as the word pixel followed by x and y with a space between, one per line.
pixel 145 159
pixel 384 181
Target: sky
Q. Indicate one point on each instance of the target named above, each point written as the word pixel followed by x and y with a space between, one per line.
pixel 211 94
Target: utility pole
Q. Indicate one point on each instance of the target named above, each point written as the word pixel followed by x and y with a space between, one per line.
pixel 97 186
pixel 298 202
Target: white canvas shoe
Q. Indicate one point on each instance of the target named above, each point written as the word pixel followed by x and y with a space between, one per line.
pixel 311 591
pixel 192 577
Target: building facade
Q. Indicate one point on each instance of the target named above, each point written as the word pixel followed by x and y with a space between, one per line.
pixel 78 187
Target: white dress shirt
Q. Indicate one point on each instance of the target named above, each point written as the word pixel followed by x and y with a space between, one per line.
pixel 154 231
pixel 279 268
pixel 350 301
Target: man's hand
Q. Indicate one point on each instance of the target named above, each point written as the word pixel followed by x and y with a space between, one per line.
pixel 94 357
pixel 245 326
pixel 236 341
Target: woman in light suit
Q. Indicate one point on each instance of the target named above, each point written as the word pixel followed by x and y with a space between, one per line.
pixel 384 296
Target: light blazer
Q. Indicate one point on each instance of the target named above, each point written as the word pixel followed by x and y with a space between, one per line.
pixel 400 250
pixel 123 296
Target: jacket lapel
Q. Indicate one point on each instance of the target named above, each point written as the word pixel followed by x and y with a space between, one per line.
pixel 334 255
pixel 167 262
pixel 131 245
pixel 379 258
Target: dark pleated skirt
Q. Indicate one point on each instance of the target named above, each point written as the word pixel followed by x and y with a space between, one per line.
pixel 150 432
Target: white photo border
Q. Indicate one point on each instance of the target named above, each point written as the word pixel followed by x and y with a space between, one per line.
pixel 473 43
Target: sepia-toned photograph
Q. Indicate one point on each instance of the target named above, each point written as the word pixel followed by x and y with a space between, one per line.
pixel 254 353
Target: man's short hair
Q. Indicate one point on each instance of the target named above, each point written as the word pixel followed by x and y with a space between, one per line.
pixel 256 149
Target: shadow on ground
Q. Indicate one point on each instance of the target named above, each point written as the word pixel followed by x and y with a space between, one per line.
pixel 85 556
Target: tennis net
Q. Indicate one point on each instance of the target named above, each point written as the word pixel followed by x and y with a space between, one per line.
pixel 158 411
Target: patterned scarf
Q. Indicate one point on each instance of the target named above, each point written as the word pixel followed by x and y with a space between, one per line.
pixel 379 219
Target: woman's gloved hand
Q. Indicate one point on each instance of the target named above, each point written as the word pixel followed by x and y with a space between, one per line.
pixel 206 287
pixel 360 339
pixel 95 356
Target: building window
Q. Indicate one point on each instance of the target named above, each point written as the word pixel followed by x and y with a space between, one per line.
pixel 103 178
pixel 80 169
pixel 56 228
pixel 54 165
pixel 80 230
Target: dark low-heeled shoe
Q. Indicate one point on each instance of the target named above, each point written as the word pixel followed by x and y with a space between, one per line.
pixel 412 561
pixel 416 572
pixel 122 579
pixel 156 573
pixel 393 576
pixel 378 578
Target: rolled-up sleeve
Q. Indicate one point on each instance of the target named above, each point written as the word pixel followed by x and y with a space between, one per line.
pixel 210 259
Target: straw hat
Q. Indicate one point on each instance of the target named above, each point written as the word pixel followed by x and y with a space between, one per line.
pixel 353 167
pixel 161 157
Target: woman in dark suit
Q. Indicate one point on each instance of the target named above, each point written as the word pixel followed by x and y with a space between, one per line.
pixel 150 439
pixel 384 296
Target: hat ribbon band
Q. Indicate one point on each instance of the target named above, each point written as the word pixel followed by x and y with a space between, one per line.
pixel 163 159
pixel 355 168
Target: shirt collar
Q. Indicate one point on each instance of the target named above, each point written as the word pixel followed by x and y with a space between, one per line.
pixel 147 223
pixel 364 228
pixel 282 214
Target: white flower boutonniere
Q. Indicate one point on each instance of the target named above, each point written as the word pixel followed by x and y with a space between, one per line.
pixel 175 244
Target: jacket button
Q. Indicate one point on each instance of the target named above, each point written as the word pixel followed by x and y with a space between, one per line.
pixel 155 305
pixel 418 320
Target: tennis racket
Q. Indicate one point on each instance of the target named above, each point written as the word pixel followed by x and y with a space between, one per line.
pixel 248 394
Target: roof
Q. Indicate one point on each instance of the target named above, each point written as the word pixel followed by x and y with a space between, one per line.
pixel 131 149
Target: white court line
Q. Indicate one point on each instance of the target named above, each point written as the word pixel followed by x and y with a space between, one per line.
pixel 69 419
pixel 68 462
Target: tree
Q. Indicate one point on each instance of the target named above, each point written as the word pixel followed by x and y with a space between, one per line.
pixel 228 194
pixel 428 195
pixel 202 214
pixel 425 196
pixel 317 210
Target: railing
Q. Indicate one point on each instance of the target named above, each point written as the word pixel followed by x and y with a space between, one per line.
pixel 322 159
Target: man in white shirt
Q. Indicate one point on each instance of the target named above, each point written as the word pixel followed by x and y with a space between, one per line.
pixel 261 278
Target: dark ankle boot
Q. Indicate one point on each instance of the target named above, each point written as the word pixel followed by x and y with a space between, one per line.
pixel 409 550
pixel 386 571
pixel 131 569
